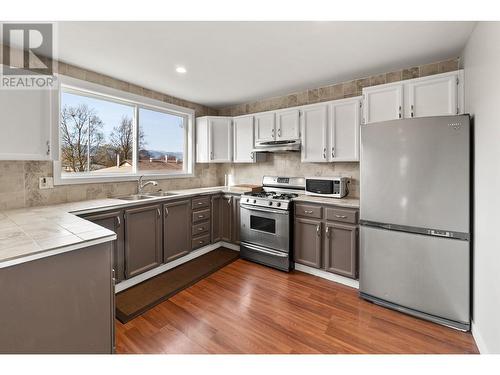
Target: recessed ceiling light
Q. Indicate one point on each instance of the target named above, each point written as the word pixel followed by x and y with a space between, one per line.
pixel 180 69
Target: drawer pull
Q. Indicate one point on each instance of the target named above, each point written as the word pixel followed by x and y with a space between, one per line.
pixel 199 203
pixel 308 211
pixel 200 242
pixel 341 216
pixel 201 229
pixel 201 216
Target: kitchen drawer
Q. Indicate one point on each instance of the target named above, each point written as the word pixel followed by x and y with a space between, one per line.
pixel 202 202
pixel 201 228
pixel 306 210
pixel 341 214
pixel 200 241
pixel 201 215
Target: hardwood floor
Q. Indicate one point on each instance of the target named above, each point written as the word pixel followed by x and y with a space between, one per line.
pixel 248 308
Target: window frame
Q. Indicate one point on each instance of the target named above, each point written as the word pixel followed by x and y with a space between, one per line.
pixel 93 90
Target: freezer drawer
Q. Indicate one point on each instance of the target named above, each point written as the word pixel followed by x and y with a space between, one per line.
pixel 428 274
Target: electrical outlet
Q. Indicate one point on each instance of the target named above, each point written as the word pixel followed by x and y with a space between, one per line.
pixel 46 183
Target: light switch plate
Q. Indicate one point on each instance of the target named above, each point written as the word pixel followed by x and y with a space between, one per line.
pixel 46 183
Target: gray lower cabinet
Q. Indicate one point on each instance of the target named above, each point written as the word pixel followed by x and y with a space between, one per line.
pixel 143 239
pixel 113 221
pixel 235 221
pixel 226 217
pixel 216 202
pixel 61 304
pixel 307 242
pixel 327 237
pixel 176 229
pixel 340 249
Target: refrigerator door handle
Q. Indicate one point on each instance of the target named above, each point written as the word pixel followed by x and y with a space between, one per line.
pixel 417 230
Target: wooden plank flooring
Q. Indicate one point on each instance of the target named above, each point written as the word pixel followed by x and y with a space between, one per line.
pixel 248 308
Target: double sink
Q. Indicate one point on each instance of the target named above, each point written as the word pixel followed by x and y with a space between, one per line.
pixel 140 197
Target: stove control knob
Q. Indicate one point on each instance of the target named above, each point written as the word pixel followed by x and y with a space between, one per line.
pixel 270 203
pixel 255 201
pixel 248 200
pixel 278 204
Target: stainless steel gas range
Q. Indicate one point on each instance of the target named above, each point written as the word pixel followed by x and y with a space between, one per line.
pixel 267 222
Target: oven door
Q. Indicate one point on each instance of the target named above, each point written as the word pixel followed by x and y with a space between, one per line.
pixel 265 227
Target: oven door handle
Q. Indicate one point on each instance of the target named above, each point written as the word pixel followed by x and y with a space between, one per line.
pixel 267 210
pixel 265 251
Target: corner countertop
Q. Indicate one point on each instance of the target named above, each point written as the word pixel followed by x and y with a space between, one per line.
pixel 340 202
pixel 28 234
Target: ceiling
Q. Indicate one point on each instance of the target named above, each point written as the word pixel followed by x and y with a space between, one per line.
pixel 235 62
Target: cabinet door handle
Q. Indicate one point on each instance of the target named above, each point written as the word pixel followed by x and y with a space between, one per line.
pixel 251 155
pixel 327 231
pixel 318 230
pixel 341 216
pixel 118 221
pixel 158 211
pixel 48 147
pixel 324 153
pixel 333 152
pixel 229 201
pixel 411 114
pixel 308 211
pixel 166 211
pixel 399 111
pixel 279 132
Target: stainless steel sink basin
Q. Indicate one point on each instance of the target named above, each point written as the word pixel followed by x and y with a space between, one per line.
pixel 160 194
pixel 135 197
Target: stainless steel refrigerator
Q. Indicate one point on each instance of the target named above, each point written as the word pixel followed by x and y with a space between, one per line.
pixel 414 209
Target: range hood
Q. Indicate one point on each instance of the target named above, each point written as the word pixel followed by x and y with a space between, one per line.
pixel 277 146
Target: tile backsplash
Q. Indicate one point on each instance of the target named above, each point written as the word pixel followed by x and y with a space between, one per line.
pixel 19 185
pixel 288 164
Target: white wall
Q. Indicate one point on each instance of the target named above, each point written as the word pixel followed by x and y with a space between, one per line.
pixel 482 100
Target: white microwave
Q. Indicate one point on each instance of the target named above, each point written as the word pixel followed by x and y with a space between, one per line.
pixel 334 187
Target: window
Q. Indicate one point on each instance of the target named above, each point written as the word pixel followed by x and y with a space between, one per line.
pixel 162 140
pixel 109 135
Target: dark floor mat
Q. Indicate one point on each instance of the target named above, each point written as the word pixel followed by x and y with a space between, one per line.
pixel 141 297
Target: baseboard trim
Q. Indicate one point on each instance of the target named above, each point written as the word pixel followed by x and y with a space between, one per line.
pixel 228 245
pixel 165 267
pixel 481 345
pixel 327 275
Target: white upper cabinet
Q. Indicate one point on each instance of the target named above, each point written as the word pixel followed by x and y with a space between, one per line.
pixel 214 140
pixel 288 124
pixel 314 127
pixel 27 119
pixel 344 130
pixel 243 139
pixel 383 102
pixel 221 139
pixel 435 95
pixel 265 127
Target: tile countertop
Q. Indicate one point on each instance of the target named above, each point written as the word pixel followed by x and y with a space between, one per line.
pixel 32 233
pixel 341 202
